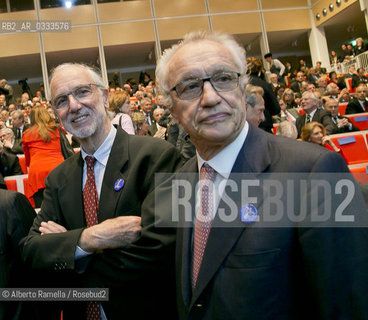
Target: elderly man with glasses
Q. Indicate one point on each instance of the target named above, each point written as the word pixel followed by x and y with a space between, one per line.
pixel 91 230
pixel 240 252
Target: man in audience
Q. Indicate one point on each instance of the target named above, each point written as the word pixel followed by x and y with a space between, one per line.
pixel 3 102
pixel 255 104
pixel 159 102
pixel 295 85
pixel 310 103
pixel 9 163
pixel 274 80
pixel 18 124
pixel 91 231
pixel 4 115
pixel 154 127
pixel 333 91
pixel 322 84
pixel 319 69
pixel 146 109
pixel 11 108
pixel 341 123
pixel 359 104
pixel 10 144
pixel 241 267
pixel 311 76
pixel 359 78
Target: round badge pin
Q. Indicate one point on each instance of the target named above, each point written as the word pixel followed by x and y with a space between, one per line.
pixel 248 213
pixel 119 184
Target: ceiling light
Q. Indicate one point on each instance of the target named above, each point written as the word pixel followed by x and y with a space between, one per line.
pixel 324 12
pixel 331 7
pixel 338 2
pixel 68 4
pixel 318 16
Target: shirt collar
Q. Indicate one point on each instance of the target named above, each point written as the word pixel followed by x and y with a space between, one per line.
pixel 103 152
pixel 223 162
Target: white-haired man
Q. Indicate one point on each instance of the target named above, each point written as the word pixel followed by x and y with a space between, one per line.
pixel 91 231
pixel 239 268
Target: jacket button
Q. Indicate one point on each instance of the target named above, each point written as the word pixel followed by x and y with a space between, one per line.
pixel 198 305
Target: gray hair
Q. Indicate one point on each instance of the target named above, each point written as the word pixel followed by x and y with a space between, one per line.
pixel 93 72
pixel 223 39
pixel 18 113
pixel 287 129
pixel 7 131
pixel 253 95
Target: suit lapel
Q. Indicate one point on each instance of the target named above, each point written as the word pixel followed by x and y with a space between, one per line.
pixel 253 159
pixel 114 171
pixel 184 237
pixel 72 188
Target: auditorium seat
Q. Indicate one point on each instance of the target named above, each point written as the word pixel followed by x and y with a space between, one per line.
pixel 359 120
pixel 342 108
pixel 22 162
pixel 348 82
pixel 18 183
pixel 353 145
pixel 360 172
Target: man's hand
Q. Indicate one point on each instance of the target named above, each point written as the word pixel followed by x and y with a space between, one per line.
pixel 111 234
pixel 343 122
pixel 51 227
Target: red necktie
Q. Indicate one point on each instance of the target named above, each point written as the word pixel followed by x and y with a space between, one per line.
pixel 90 201
pixel 365 106
pixel 203 218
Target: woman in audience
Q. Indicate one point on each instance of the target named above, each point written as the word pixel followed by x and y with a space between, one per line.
pixel 287 129
pixel 42 150
pixel 289 99
pixel 120 106
pixel 315 132
pixel 139 123
pixel 332 77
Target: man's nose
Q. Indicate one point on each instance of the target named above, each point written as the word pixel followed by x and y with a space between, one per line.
pixel 210 96
pixel 73 103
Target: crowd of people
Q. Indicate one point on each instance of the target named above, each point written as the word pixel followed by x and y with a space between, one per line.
pixel 105 222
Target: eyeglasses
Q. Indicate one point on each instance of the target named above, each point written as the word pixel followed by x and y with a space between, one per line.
pixel 193 88
pixel 81 94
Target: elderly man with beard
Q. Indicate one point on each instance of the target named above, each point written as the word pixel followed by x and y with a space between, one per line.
pixel 91 231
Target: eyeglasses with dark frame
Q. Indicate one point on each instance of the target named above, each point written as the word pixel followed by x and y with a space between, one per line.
pixel 223 81
pixel 80 93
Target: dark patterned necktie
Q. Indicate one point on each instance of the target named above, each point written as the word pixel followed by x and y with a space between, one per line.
pixel 203 219
pixel 309 118
pixel 90 201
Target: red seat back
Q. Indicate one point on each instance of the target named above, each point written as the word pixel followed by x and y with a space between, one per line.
pixel 353 146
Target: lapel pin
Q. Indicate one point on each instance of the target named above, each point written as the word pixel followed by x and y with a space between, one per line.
pixel 248 213
pixel 119 184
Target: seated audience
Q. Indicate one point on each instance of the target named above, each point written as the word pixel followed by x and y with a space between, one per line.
pixel 359 78
pixel 332 77
pixel 311 103
pixel 287 129
pixel 341 123
pixel 155 127
pixel 42 149
pixel 332 90
pixel 120 107
pixel 139 123
pixel 289 98
pixel 360 47
pixel 359 104
pixel 315 132
pixel 9 163
pixel 10 144
pixel 255 104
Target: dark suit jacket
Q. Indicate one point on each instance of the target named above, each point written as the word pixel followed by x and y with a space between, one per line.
pixel 354 106
pixel 26 126
pixel 320 116
pixel 9 165
pixel 273 272
pixel 295 86
pixel 16 218
pixel 356 80
pixel 152 129
pixel 139 277
pixel 344 129
pixel 17 147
